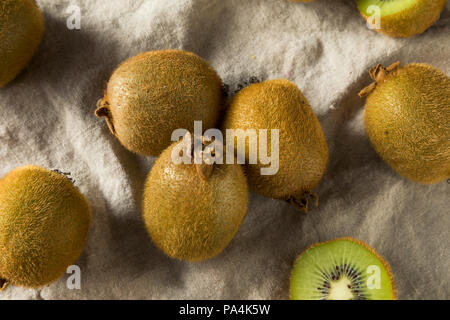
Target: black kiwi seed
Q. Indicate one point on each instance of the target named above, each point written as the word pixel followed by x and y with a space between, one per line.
pixel 336 270
pixel 354 275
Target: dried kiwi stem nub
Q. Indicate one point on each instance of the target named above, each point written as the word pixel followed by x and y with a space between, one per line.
pixel 204 170
pixel 378 73
pixel 103 111
pixel 65 175
pixel 301 201
pixel 3 283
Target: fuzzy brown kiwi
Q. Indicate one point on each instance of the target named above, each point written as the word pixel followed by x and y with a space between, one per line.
pixel 193 214
pixel 407 119
pixel 403 18
pixel 303 151
pixel 154 93
pixel 342 269
pixel 21 32
pixel 44 223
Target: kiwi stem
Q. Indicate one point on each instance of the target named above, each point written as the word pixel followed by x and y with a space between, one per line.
pixel 378 74
pixel 103 111
pixel 204 170
pixel 301 201
pixel 3 283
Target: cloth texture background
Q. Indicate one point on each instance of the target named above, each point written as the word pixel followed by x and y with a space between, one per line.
pixel 47 118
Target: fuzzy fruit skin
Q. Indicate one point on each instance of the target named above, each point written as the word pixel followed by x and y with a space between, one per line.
pixel 44 223
pixel 303 151
pixel 412 21
pixel 21 32
pixel 189 218
pixel 154 93
pixel 407 119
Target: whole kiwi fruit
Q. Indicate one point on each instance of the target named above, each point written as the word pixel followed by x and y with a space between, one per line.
pixel 154 93
pixel 44 223
pixel 403 18
pixel 407 119
pixel 190 216
pixel 303 151
pixel 21 32
pixel 342 269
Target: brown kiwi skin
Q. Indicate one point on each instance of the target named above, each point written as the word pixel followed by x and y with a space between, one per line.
pixel 21 32
pixel 365 245
pixel 44 224
pixel 407 120
pixel 412 21
pixel 303 151
pixel 190 217
pixel 154 93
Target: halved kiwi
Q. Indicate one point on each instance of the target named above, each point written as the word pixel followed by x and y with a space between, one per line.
pixel 342 269
pixel 403 18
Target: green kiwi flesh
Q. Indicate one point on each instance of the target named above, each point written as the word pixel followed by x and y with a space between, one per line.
pixel 402 18
pixel 387 7
pixel 341 269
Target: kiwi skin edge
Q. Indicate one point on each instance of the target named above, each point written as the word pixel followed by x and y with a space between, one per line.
pixel 363 244
pixel 3 284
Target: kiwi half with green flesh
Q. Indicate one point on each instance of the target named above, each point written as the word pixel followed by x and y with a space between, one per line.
pixel 44 224
pixel 407 119
pixel 21 32
pixel 403 18
pixel 154 93
pixel 341 269
pixel 191 215
pixel 303 151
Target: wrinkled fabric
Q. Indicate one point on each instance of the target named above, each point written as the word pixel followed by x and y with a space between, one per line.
pixel 47 118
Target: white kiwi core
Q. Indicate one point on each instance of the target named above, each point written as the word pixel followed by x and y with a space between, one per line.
pixel 341 289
